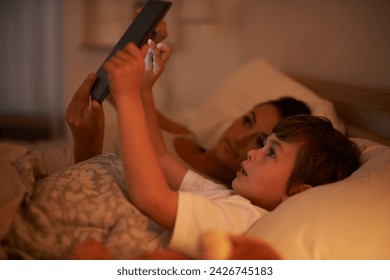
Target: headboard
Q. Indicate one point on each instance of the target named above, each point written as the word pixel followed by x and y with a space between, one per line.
pixel 364 109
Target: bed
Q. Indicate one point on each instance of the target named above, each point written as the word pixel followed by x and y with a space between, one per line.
pixel 48 206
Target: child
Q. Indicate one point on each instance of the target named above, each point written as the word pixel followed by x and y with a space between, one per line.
pixel 302 152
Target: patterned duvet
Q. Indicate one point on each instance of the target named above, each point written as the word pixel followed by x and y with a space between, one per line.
pixel 87 200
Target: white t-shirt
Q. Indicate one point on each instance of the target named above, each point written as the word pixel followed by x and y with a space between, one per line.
pixel 205 205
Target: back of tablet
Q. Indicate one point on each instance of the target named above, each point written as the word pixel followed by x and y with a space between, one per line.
pixel 139 31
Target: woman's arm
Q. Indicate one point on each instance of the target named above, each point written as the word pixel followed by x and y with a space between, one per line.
pixel 172 126
pixel 165 123
pixel 85 118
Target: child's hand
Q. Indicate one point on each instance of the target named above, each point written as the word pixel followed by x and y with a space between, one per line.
pixel 125 70
pixel 155 61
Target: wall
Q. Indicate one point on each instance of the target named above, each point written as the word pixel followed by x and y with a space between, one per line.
pixel 31 77
pixel 79 60
pixel 338 40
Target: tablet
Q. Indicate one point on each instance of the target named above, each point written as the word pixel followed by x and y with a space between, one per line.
pixel 139 31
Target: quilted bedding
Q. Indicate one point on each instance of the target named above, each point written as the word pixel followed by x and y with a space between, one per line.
pixel 84 201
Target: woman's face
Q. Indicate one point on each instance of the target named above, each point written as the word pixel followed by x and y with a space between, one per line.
pixel 246 133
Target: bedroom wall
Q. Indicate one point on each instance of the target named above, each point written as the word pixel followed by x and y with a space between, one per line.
pixel 79 60
pixel 346 41
pixel 338 40
pixel 341 41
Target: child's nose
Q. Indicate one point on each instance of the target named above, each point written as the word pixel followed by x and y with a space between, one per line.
pixel 254 154
pixel 251 155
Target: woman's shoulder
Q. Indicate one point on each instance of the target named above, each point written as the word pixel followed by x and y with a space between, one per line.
pixel 187 145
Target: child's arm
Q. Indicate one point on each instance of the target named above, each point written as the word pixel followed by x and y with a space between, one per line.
pixel 146 183
pixel 155 65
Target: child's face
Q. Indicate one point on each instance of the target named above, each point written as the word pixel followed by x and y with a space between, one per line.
pixel 264 175
pixel 246 133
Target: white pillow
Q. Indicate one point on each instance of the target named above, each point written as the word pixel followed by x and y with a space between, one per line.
pixel 255 82
pixel 348 219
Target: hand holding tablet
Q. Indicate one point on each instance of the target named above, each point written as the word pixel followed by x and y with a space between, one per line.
pixel 138 32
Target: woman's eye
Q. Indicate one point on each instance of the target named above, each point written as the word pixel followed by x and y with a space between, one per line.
pixel 260 142
pixel 247 121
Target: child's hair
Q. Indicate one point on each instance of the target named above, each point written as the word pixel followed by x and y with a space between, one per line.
pixel 325 154
pixel 288 106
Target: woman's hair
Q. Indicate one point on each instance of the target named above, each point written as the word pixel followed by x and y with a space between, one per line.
pixel 325 154
pixel 288 106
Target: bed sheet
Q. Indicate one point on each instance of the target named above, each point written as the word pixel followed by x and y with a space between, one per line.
pixel 84 201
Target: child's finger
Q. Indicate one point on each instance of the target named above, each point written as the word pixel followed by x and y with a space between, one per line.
pixel 132 50
pixel 152 45
pixel 117 61
pixel 144 50
pixel 160 50
pixel 108 66
pixel 122 55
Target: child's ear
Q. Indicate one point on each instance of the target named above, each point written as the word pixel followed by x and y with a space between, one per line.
pixel 296 190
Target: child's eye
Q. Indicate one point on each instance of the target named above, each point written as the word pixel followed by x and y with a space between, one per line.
pixel 247 121
pixel 271 153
